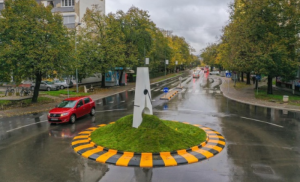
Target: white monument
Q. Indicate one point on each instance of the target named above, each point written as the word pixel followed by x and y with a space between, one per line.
pixel 142 98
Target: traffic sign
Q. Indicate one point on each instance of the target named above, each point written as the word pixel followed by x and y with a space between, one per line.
pixel 228 75
pixel 166 89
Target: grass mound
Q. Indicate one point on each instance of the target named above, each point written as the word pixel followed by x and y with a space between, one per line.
pixel 153 135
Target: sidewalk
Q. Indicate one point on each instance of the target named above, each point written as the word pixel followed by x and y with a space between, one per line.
pixel 46 107
pixel 246 95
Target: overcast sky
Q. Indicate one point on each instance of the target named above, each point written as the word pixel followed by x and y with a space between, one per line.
pixel 198 21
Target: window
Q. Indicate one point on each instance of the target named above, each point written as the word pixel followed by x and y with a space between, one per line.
pixel 1 6
pixel 80 103
pixel 69 19
pixel 86 100
pixel 66 3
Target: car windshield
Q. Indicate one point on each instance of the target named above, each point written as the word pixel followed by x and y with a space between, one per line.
pixel 67 104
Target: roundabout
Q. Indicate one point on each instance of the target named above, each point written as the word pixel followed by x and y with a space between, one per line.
pixel 84 146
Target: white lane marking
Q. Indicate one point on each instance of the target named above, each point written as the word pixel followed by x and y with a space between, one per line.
pixel 153 88
pixel 262 122
pixel 123 101
pixel 153 100
pixel 218 92
pixel 111 102
pixel 190 91
pixel 196 91
pixel 171 89
pixel 156 90
pixel 112 110
pixel 183 90
pixel 26 126
pixel 210 91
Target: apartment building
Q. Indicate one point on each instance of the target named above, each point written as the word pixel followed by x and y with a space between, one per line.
pixel 71 10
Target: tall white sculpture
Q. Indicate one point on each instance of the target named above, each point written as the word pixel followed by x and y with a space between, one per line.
pixel 142 98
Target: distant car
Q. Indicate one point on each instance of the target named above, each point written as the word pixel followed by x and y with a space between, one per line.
pixel 63 84
pixel 45 85
pixel 196 74
pixel 214 73
pixel 71 109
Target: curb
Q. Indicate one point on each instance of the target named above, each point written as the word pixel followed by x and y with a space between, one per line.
pixel 169 95
pixel 254 104
pixel 213 145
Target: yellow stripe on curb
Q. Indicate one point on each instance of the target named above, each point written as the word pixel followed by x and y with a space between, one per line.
pixel 168 159
pixel 102 125
pixel 112 122
pixel 204 152
pixel 83 147
pixel 146 160
pixel 93 128
pixel 91 152
pixel 80 141
pixel 217 141
pixel 189 157
pixel 125 159
pixel 219 149
pixel 85 132
pixel 81 137
pixel 212 132
pixel 215 136
pixel 103 158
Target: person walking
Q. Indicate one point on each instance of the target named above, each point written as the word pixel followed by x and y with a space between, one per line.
pixel 253 79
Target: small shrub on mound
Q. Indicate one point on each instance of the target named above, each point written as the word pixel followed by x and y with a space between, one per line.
pixel 153 135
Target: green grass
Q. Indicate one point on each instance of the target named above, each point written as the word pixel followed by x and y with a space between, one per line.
pixel 63 92
pixel 277 96
pixel 153 135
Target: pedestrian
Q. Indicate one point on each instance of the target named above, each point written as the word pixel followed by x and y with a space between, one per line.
pixel 253 79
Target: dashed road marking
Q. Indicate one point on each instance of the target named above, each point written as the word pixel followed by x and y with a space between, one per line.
pixel 262 122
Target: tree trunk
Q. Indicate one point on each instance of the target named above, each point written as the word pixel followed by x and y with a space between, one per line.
pixel 242 76
pixel 256 84
pixel 121 76
pixel 36 88
pixel 248 79
pixel 270 88
pixel 103 79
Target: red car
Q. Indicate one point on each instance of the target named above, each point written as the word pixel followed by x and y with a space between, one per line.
pixel 72 108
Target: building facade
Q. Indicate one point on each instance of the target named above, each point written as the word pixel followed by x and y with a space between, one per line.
pixel 72 11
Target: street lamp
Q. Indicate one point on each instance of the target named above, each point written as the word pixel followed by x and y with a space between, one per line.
pixel 75 55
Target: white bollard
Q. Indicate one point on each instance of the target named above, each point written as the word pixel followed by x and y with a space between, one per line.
pixel 285 98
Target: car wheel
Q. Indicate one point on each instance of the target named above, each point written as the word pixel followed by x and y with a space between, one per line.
pixel 73 119
pixel 49 89
pixel 93 111
pixel 62 87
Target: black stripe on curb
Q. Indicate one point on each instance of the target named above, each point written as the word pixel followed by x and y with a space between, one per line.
pixel 209 148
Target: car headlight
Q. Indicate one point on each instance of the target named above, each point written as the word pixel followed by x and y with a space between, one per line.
pixel 49 114
pixel 64 114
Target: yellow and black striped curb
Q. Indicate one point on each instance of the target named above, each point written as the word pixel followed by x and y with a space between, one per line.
pixel 169 95
pixel 213 145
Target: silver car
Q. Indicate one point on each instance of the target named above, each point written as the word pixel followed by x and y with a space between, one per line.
pixel 46 85
pixel 63 84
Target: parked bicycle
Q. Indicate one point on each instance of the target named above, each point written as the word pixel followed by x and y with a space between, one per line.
pixel 9 90
pixel 25 91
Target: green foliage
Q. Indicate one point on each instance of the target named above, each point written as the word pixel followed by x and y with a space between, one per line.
pixel 64 92
pixel 34 42
pixel 125 39
pixel 261 37
pixel 153 135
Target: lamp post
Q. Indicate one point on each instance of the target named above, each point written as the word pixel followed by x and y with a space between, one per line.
pixel 75 55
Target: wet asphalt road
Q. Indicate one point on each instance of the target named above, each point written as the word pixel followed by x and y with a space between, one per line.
pixel 261 144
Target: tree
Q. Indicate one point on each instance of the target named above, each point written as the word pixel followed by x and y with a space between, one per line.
pixel 101 45
pixel 34 42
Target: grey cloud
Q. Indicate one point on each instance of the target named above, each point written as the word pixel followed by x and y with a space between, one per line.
pixel 199 21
